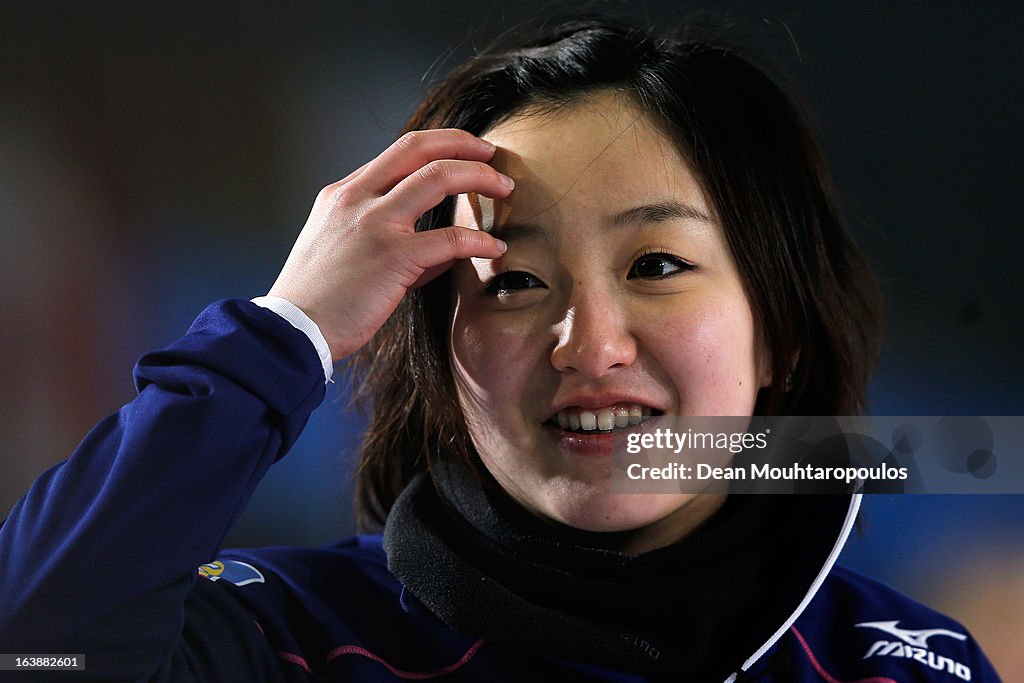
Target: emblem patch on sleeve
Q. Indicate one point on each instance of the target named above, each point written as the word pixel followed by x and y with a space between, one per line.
pixel 232 571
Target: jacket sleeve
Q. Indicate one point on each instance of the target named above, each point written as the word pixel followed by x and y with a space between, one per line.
pixel 100 555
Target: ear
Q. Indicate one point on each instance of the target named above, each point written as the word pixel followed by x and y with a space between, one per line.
pixel 766 366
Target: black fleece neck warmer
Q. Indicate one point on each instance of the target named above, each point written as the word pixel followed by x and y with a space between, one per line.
pixel 693 611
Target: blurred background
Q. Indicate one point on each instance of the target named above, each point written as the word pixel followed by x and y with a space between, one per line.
pixel 155 160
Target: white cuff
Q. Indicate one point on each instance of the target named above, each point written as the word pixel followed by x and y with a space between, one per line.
pixel 302 322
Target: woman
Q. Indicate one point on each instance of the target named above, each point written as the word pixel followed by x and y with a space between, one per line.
pixel 587 228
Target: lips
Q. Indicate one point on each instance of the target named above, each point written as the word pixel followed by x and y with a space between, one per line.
pixel 606 419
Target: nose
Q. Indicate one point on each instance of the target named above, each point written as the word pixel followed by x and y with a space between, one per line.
pixel 595 338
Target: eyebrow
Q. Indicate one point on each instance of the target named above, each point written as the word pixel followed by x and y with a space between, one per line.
pixel 660 212
pixel 511 232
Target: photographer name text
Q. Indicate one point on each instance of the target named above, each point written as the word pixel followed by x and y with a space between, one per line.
pixel 765 472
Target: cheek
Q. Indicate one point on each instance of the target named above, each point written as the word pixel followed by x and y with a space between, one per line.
pixel 709 353
pixel 492 360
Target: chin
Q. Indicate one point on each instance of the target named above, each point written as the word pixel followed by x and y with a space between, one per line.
pixel 582 507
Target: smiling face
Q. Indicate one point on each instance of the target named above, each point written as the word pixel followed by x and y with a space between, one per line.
pixel 618 293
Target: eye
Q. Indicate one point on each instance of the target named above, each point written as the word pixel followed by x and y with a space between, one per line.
pixel 511 281
pixel 658 265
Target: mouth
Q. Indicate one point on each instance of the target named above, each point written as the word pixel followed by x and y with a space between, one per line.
pixel 605 420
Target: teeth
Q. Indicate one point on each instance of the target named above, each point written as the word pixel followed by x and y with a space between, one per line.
pixel 622 416
pixel 602 419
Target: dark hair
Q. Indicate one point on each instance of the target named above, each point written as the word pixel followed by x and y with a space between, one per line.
pixel 815 300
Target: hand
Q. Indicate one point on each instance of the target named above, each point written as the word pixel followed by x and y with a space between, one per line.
pixel 358 253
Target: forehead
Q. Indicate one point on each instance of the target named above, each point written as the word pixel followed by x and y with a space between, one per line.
pixel 598 154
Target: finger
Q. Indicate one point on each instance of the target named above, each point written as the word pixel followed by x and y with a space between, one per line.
pixel 415 150
pixel 425 188
pixel 330 190
pixel 437 250
pixel 353 175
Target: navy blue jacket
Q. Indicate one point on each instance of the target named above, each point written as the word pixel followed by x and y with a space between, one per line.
pixel 101 556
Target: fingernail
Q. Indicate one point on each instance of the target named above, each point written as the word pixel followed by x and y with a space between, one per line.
pixel 489 146
pixel 509 183
pixel 502 245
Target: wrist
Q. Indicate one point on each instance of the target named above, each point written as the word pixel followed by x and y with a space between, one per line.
pixel 302 322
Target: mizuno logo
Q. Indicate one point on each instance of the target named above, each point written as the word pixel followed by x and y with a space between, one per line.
pixel 915 638
pixel 913 645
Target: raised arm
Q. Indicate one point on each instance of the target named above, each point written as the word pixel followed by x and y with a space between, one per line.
pixel 101 554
